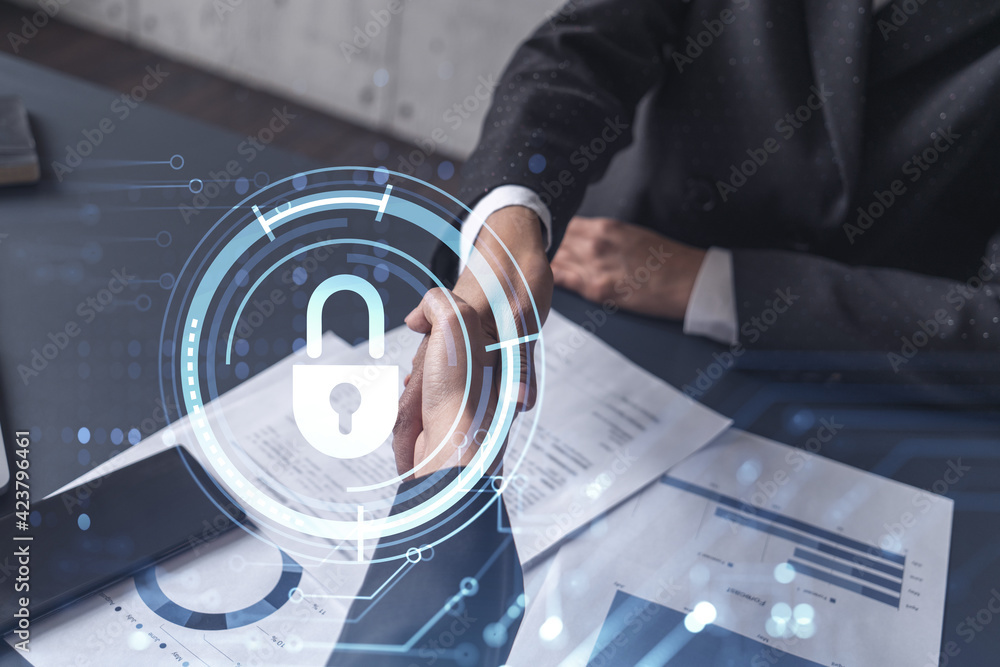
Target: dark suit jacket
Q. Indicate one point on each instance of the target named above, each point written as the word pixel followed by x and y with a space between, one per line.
pixel 850 158
pixel 461 604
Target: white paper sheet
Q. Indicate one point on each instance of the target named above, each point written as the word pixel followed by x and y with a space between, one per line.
pixel 866 585
pixel 606 428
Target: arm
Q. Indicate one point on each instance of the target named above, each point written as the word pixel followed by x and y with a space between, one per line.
pixel 564 89
pixel 459 596
pixel 865 308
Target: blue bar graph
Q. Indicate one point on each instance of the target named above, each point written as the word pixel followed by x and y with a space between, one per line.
pixel 819 550
pixel 821 533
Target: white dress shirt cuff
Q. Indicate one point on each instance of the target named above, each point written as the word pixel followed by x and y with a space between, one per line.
pixel 711 311
pixel 502 197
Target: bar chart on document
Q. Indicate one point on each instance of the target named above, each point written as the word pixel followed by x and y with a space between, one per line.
pixel 847 565
pixel 805 556
pixel 751 552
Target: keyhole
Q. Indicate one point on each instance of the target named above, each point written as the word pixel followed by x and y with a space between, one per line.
pixel 345 399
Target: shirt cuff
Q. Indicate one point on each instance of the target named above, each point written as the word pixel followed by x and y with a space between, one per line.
pixel 711 311
pixel 498 198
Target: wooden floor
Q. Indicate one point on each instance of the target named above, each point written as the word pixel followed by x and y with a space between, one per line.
pixel 200 94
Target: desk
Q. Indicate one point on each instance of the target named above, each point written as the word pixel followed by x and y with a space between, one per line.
pixel 60 242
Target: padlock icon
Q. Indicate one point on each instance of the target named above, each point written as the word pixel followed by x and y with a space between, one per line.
pixel 312 385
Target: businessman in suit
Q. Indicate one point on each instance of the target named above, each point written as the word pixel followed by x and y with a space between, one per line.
pixel 805 175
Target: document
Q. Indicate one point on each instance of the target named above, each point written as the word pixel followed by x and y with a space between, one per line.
pixel 605 429
pixel 754 553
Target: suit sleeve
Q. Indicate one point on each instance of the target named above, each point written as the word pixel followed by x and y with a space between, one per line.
pixel 791 300
pixel 566 102
pixel 460 604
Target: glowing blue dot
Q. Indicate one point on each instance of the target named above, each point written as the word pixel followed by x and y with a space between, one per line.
pixel 241 278
pixel 134 370
pixel 381 175
pixel 242 185
pixel 495 635
pixel 242 347
pixel 83 435
pixel 117 436
pixel 138 626
pixel 299 182
pixel 298 344
pixel 134 348
pixel 536 163
pixel 83 521
pixel 446 170
pixel 242 370
pixel 300 276
pixel 380 252
pixel 134 436
pixel 83 457
pixel 380 273
pixel 381 77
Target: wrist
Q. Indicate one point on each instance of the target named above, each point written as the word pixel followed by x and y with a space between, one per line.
pixel 679 290
pixel 511 242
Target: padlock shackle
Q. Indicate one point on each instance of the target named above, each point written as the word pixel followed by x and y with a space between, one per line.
pixel 350 283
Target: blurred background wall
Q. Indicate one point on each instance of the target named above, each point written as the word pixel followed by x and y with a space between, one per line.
pixel 397 66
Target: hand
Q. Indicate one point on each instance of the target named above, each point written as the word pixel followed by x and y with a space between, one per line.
pixel 444 362
pixel 604 259
pixel 521 233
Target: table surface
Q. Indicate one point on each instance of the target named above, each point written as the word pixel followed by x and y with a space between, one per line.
pixel 60 242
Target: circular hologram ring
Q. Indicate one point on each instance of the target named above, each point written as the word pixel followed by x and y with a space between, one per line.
pixel 154 598
pixel 264 224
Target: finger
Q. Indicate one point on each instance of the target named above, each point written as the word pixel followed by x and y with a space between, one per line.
pixel 409 419
pixel 528 389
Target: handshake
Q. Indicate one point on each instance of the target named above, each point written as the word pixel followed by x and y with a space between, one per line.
pixel 434 400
